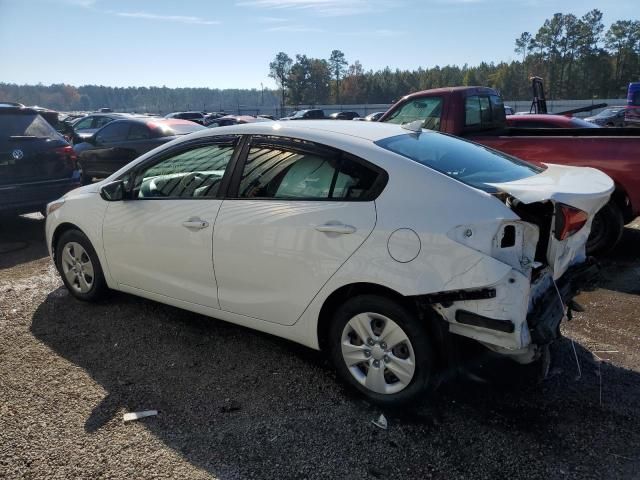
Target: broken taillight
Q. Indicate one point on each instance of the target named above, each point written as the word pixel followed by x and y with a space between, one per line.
pixel 569 220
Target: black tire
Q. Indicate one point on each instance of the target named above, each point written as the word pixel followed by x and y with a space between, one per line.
pixel 99 288
pixel 416 332
pixel 606 230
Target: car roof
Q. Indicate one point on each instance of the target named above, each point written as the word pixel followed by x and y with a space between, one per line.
pixel 372 131
pixel 10 107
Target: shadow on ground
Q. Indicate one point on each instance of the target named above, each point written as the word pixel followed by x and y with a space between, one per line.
pixel 620 269
pixel 21 240
pixel 235 402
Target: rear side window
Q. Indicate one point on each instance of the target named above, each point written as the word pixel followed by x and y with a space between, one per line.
pixel 114 132
pixel 484 111
pixel 26 125
pixel 305 171
pixel 465 161
pixel 428 109
pixel 139 132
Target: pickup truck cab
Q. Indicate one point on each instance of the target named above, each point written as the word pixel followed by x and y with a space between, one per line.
pixel 477 114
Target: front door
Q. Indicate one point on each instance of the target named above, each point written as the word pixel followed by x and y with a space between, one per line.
pixel 160 240
pixel 301 211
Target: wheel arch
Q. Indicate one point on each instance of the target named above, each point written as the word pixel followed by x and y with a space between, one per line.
pixel 436 326
pixel 57 233
pixel 622 200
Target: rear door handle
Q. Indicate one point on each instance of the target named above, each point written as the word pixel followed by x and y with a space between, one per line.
pixel 195 224
pixel 336 228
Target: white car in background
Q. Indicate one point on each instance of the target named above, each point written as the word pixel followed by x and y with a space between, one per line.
pixel 370 241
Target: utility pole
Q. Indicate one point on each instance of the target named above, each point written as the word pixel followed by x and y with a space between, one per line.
pixel 262 90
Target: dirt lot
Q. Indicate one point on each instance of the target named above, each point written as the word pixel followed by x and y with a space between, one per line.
pixel 239 404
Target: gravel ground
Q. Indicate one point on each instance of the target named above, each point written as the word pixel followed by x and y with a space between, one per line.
pixel 234 403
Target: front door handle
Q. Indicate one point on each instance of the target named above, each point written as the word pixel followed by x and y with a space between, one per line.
pixel 195 223
pixel 336 228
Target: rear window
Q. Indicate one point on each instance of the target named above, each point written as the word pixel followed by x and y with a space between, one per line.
pixel 465 161
pixel 175 128
pixel 191 115
pixel 26 125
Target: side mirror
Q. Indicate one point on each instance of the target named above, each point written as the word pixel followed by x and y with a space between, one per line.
pixel 113 191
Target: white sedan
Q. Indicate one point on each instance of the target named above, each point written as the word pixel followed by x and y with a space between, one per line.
pixel 378 244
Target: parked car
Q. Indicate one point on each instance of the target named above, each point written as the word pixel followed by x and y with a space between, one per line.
pixel 211 117
pixel 320 232
pixel 539 120
pixel 477 114
pixel 609 117
pixel 87 126
pixel 121 141
pixel 37 165
pixel 344 115
pixel 235 120
pixel 197 117
pixel 509 110
pixel 314 114
pixel 372 117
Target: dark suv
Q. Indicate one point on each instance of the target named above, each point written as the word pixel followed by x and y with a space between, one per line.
pixel 37 165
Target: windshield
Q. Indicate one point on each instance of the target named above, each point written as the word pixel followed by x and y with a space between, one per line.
pixel 468 162
pixel 580 123
pixel 608 112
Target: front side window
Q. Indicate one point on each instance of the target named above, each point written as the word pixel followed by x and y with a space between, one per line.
pixel 84 123
pixel 195 173
pixel 100 122
pixel 428 109
pixel 291 172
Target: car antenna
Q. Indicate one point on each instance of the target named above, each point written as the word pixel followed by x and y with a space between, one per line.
pixel 415 126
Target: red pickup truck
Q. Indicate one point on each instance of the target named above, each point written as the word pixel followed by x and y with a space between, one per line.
pixel 477 114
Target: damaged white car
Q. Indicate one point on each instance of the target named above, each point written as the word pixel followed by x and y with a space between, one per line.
pixel 372 242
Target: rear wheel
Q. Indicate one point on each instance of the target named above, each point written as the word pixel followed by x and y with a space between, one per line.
pixel 79 266
pixel 606 229
pixel 381 349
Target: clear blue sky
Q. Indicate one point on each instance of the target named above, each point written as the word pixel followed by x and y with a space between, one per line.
pixel 229 43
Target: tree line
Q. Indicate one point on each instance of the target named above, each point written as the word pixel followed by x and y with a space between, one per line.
pixel 577 57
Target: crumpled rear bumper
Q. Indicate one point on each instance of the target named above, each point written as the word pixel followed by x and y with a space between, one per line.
pixel 548 309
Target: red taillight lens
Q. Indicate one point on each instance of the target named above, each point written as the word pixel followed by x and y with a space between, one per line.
pixel 70 155
pixel 569 220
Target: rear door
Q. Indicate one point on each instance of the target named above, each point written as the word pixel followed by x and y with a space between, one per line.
pixel 31 150
pixel 300 211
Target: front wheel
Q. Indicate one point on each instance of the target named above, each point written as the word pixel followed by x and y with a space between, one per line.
pixel 606 229
pixel 382 350
pixel 79 266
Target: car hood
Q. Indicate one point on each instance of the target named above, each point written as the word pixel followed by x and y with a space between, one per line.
pixel 585 188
